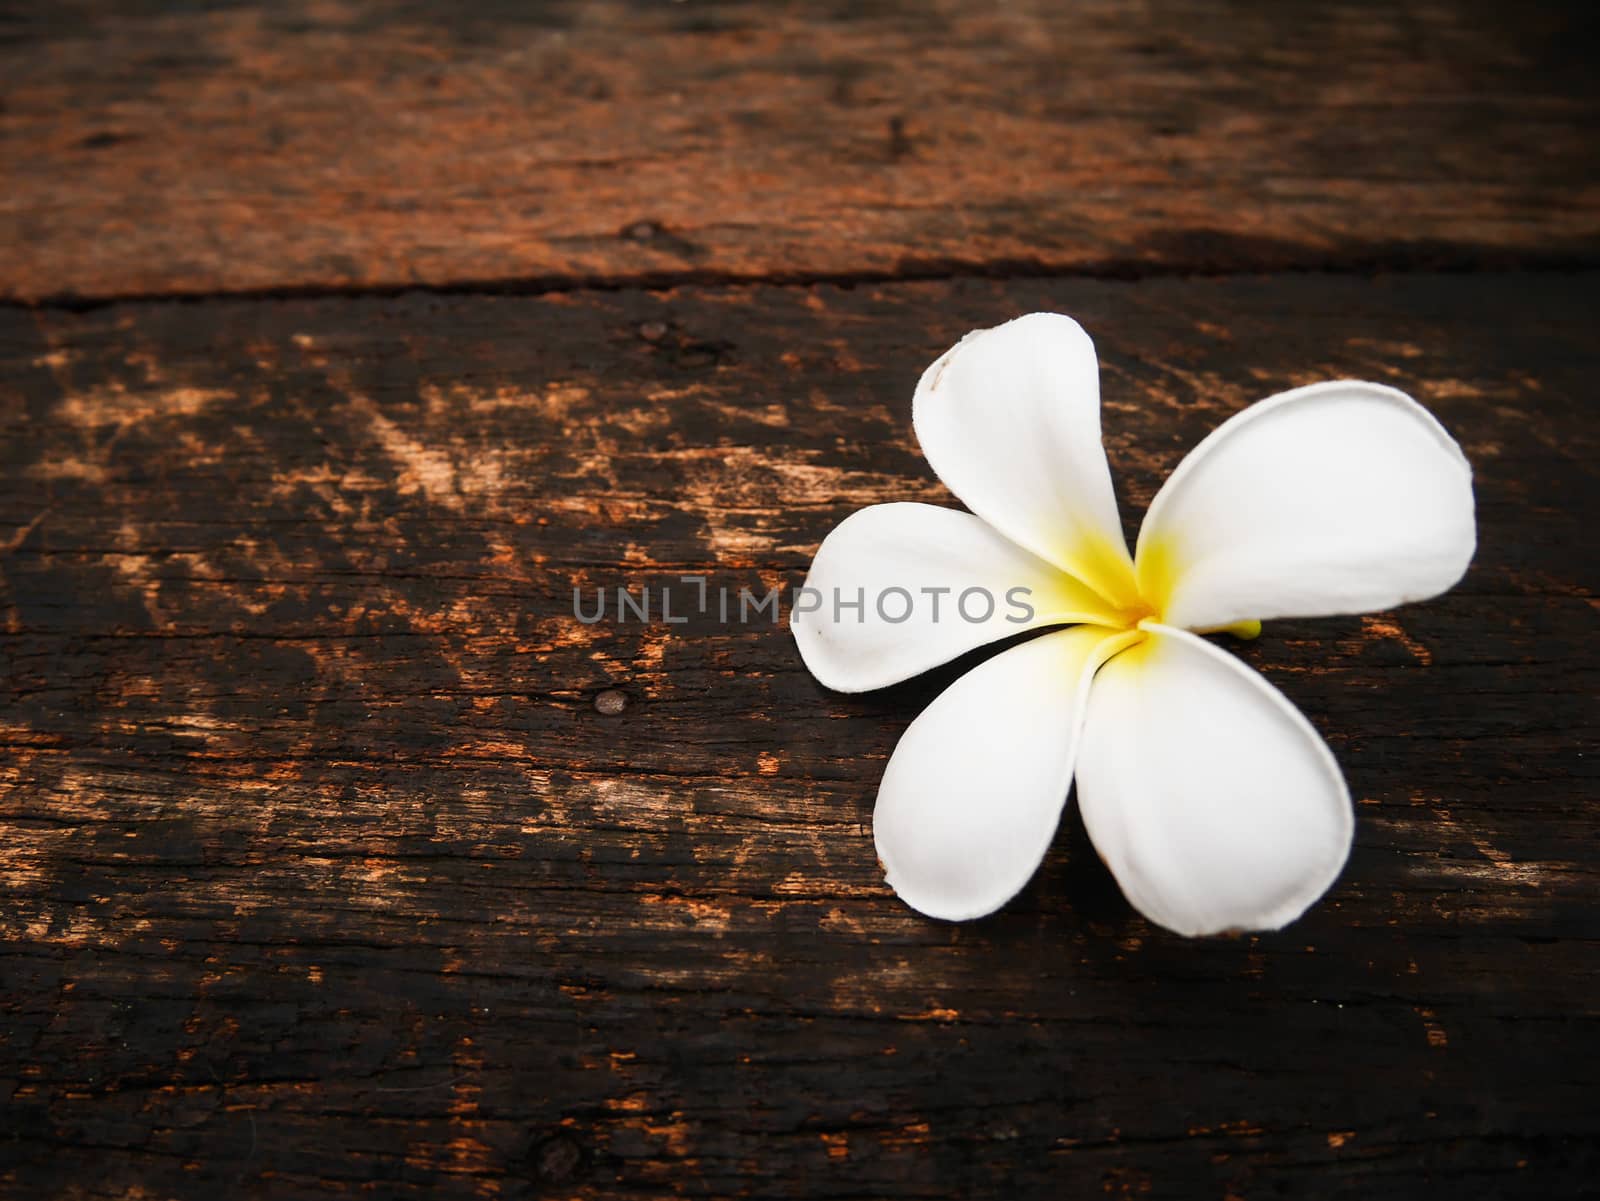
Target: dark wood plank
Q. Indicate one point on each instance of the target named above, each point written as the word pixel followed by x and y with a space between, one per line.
pixel 324 873
pixel 386 143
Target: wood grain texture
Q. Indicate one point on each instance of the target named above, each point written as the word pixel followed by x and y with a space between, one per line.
pixel 324 874
pixel 324 144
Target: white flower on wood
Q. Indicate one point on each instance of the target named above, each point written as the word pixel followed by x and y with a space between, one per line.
pixel 1209 796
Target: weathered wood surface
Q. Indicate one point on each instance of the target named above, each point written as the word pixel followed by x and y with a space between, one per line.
pixel 324 876
pixel 386 143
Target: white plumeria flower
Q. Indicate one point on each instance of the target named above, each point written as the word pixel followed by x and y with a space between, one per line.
pixel 1210 797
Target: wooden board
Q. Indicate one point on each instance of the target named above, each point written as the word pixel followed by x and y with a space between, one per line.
pixel 324 875
pixel 335 144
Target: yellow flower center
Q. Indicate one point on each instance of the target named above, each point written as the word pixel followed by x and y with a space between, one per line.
pixel 1137 594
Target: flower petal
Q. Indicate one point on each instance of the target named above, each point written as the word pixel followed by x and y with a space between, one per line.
pixel 913 569
pixel 1208 794
pixel 1009 418
pixel 971 796
pixel 1341 497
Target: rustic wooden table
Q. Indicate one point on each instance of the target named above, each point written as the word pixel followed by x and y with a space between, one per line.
pixel 342 339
